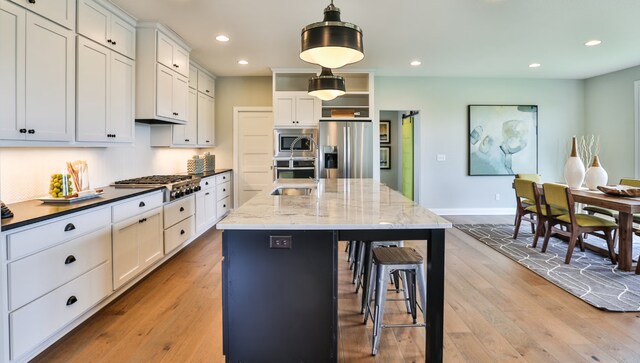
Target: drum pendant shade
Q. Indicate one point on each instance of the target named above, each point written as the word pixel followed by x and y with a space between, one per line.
pixel 331 43
pixel 326 86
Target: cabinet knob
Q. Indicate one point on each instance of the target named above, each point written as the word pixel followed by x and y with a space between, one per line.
pixel 206 183
pixel 207 91
pixel 224 206
pixel 182 231
pixel 175 65
pixel 113 42
pixel 31 131
pixel 23 131
pixel 108 40
pixel 141 204
pixel 70 259
pixel 224 190
pixel 32 1
pixel 69 227
pixel 181 209
pixel 207 141
pixel 71 300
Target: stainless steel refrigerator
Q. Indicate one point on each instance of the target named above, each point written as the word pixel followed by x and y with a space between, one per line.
pixel 346 149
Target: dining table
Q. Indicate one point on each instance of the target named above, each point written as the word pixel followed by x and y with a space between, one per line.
pixel 626 207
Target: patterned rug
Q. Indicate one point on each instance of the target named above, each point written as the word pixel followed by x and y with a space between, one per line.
pixel 590 276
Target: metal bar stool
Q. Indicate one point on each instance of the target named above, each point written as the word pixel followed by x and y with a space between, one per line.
pixel 363 267
pixel 385 262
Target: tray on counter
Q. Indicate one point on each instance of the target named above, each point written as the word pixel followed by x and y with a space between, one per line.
pixel 81 196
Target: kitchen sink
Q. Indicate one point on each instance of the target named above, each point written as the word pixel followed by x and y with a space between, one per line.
pixel 292 191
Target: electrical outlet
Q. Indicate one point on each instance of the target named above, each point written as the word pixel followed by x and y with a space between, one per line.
pixel 497 196
pixel 280 242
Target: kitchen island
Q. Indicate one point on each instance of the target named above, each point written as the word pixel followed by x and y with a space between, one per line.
pixel 280 282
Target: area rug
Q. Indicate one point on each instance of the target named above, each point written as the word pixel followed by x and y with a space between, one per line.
pixel 590 276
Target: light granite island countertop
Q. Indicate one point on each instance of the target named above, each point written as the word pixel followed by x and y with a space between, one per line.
pixel 280 266
pixel 344 204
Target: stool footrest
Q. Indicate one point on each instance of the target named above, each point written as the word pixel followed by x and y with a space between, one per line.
pixel 419 325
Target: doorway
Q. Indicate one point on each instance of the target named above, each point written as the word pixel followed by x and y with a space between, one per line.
pixel 401 148
pixel 253 151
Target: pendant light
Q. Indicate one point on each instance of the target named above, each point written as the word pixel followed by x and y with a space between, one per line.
pixel 326 86
pixel 331 43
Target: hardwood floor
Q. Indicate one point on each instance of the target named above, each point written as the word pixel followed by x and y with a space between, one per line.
pixel 495 310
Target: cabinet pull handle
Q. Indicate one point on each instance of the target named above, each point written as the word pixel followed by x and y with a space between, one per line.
pixel 207 91
pixel 32 131
pixel 186 140
pixel 72 300
pixel 113 42
pixel 182 231
pixel 207 140
pixel 207 193
pixel 23 131
pixel 108 40
pixel 141 204
pixel 69 227
pixel 142 220
pixel 32 1
pixel 181 209
pixel 175 65
pixel 70 259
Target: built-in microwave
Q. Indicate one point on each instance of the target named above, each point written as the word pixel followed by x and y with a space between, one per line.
pixel 284 138
pixel 296 168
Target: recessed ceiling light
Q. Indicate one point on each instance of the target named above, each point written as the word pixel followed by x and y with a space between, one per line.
pixel 534 65
pixel 243 62
pixel 415 63
pixel 591 43
pixel 222 38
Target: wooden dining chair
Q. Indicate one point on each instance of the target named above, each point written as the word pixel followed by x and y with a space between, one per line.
pixel 559 196
pixel 524 202
pixel 525 205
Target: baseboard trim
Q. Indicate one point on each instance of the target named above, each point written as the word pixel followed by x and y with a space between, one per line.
pixel 472 211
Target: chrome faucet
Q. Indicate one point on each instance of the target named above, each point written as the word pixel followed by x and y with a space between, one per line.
pixel 316 165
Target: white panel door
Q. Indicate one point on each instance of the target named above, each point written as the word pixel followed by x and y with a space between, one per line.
pixel 60 11
pixel 255 153
pixel 50 80
pixel 164 53
pixel 307 110
pixel 93 21
pixel 12 53
pixel 284 111
pixel 123 37
pixel 93 91
pixel 181 60
pixel 187 134
pixel 121 120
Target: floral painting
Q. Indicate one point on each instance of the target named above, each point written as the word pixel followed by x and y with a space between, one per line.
pixel 503 140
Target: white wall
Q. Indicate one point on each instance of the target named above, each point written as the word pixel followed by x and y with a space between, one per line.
pixel 609 112
pixel 25 172
pixel 443 103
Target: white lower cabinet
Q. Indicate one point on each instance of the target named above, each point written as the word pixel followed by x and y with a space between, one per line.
pixel 179 224
pixel 34 322
pixel 137 244
pixel 206 204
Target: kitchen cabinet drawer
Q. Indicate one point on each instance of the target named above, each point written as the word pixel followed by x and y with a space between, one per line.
pixel 34 239
pixel 136 205
pixel 224 190
pixel 222 178
pixel 178 234
pixel 34 276
pixel 223 207
pixel 207 182
pixel 33 323
pixel 179 210
pixel 62 12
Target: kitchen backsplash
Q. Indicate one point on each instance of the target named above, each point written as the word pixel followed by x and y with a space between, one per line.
pixel 25 172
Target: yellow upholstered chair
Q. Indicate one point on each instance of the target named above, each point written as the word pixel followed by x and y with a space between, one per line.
pixel 535 214
pixel 526 201
pixel 559 196
pixel 533 177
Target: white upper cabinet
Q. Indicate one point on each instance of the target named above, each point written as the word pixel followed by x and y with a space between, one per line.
pixel 193 76
pixel 296 109
pixel 40 77
pixel 105 24
pixel 206 120
pixel 172 55
pixel 187 134
pixel 162 75
pixel 122 80
pixel 206 84
pixel 62 12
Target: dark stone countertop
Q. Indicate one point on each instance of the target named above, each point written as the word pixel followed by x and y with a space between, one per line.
pixel 33 211
pixel 207 174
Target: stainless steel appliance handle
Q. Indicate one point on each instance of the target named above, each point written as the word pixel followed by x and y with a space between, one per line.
pixel 294 168
pixel 344 152
pixel 348 152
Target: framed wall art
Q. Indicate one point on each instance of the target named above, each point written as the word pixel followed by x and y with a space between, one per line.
pixel 385 157
pixel 385 131
pixel 503 139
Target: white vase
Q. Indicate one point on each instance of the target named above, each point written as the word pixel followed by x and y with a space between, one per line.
pixel 595 175
pixel 574 168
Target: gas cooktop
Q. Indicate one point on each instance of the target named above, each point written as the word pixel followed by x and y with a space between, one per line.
pixel 176 186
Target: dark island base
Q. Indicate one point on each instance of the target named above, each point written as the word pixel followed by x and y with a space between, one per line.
pixel 281 305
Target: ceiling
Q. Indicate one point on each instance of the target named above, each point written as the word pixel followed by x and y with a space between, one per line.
pixel 452 38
